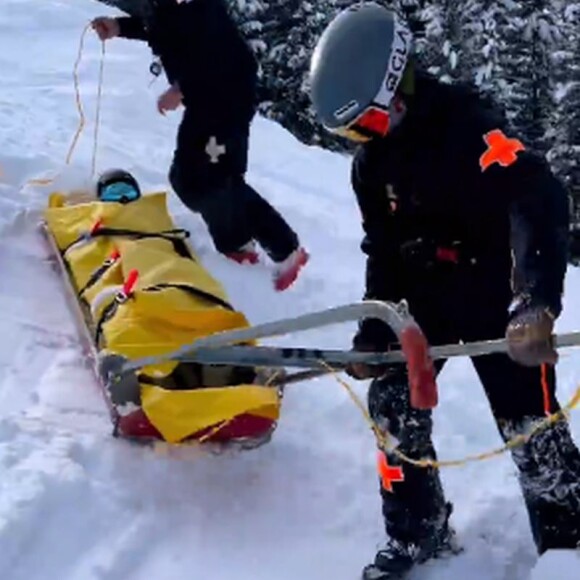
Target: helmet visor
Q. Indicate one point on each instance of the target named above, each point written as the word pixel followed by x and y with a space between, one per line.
pixel 119 191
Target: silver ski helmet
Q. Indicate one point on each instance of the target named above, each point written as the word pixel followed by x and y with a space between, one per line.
pixel 356 67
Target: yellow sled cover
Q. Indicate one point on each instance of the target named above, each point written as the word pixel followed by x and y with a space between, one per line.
pixel 144 292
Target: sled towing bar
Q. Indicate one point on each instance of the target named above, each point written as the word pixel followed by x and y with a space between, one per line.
pixel 422 387
pixel 221 348
pixel 340 359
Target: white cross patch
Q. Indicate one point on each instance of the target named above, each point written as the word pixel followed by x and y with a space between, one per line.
pixel 214 150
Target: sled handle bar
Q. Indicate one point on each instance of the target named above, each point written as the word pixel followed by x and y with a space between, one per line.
pixel 477 348
pixel 395 315
pixel 422 386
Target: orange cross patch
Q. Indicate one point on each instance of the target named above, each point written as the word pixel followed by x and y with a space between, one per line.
pixel 387 473
pixel 500 150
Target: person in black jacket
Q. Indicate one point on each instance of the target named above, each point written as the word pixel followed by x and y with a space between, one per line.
pixel 471 229
pixel 213 73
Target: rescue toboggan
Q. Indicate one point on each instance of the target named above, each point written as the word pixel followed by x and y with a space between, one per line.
pixel 138 290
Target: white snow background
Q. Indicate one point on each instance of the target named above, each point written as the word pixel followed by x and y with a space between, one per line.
pixel 76 504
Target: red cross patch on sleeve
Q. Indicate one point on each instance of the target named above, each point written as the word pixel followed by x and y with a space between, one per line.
pixel 500 150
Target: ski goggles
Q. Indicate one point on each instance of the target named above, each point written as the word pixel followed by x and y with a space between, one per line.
pixel 120 192
pixel 372 122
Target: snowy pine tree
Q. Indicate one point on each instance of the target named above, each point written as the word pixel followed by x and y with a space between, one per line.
pixel 411 11
pixel 565 154
pixel 248 15
pixel 524 53
pixel 488 46
pixel 448 47
pixel 530 33
pixel 507 48
pixel 570 106
pixel 290 31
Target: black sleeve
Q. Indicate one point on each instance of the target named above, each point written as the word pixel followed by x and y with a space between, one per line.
pixel 539 219
pixel 209 50
pixel 132 27
pixel 380 244
pixel 192 52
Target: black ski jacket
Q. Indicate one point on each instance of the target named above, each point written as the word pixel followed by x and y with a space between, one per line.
pixel 202 50
pixel 428 197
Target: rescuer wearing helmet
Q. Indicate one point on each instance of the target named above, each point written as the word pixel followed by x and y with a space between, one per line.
pixel 471 229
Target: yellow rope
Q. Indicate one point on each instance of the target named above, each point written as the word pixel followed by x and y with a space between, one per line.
pixel 98 110
pixel 78 100
pixel 79 105
pixel 382 438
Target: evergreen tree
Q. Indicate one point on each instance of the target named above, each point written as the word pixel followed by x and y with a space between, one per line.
pixel 565 154
pixel 248 14
pixel 570 117
pixel 476 40
pixel 290 30
pixel 451 34
pixel 530 36
pixel 488 46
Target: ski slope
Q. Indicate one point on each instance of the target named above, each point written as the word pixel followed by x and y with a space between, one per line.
pixel 75 504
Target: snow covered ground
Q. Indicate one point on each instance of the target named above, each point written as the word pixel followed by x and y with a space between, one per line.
pixel 76 504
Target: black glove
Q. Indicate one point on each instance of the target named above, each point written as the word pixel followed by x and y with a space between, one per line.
pixel 373 336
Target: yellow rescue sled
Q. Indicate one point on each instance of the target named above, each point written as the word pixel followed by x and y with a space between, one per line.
pixel 139 291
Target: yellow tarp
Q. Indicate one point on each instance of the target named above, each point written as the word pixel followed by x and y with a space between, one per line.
pixel 175 301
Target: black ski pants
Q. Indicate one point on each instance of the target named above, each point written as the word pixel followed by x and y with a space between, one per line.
pixel 453 303
pixel 207 174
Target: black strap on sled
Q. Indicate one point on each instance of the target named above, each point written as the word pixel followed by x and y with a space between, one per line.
pixel 97 275
pixel 111 309
pixel 192 290
pixel 108 312
pixel 176 236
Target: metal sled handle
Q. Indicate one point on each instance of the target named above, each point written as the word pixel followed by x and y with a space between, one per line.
pixel 388 312
pixel 470 349
pixel 414 345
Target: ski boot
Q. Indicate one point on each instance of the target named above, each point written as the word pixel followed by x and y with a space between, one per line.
pixel 287 271
pixel 396 559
